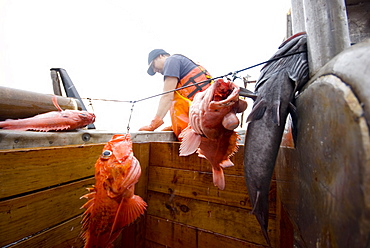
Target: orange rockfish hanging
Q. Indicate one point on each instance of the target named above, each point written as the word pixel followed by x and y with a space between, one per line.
pixel 112 203
pixel 212 121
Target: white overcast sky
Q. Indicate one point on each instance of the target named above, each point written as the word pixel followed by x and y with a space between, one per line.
pixel 104 44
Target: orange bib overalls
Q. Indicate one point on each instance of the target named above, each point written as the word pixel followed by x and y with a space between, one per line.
pixel 182 98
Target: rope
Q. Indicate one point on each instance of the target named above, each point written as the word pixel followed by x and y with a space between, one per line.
pixel 228 74
pixel 163 93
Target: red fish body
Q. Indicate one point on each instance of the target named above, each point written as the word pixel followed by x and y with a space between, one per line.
pixel 51 121
pixel 112 203
pixel 212 120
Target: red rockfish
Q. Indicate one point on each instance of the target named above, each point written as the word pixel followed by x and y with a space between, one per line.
pixel 51 121
pixel 212 120
pixel 112 203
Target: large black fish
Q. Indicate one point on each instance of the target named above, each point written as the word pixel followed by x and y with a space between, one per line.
pixel 275 91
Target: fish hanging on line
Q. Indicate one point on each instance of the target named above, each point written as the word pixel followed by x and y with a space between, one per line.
pixel 112 204
pixel 51 121
pixel 212 120
pixel 275 91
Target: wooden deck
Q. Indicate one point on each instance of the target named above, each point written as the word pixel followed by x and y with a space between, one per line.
pixel 41 189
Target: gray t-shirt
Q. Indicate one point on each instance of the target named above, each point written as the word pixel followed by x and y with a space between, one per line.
pixel 177 66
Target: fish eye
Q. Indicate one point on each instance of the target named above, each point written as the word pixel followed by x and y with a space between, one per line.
pixel 106 154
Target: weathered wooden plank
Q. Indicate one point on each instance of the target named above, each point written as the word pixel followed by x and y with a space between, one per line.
pixel 60 236
pixel 141 152
pixel 27 170
pixel 150 244
pixel 287 180
pixel 215 240
pixel 133 235
pixel 169 233
pixel 284 227
pixel 165 233
pixel 219 218
pixel 169 158
pixel 199 185
pixel 12 139
pixel 24 216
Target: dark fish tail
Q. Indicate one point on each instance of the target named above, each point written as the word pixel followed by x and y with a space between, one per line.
pixel 275 89
pixel 261 147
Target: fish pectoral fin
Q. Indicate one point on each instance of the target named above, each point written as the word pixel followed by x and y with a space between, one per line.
pixel 190 142
pixel 128 211
pixel 258 111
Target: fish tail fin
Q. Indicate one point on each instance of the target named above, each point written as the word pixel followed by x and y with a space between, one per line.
pixel 128 211
pixel 261 217
pixel 218 177
pixel 190 141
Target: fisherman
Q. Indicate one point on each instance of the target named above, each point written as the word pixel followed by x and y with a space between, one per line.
pixel 178 71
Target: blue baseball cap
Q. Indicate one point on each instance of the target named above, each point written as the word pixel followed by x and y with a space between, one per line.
pixel 152 56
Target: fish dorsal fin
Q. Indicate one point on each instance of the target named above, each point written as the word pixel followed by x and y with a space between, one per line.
pixel 190 142
pixel 258 111
pixel 55 102
pixel 128 211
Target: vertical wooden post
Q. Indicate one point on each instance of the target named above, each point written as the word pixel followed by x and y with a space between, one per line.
pixel 326 24
pixel 298 22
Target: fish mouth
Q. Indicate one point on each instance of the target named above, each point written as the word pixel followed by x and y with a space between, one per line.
pixel 228 99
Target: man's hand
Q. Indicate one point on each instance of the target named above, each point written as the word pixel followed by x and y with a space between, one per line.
pixel 154 124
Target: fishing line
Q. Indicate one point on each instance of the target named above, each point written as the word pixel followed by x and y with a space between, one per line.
pixel 228 74
pixel 129 119
pixel 233 74
pixel 211 79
